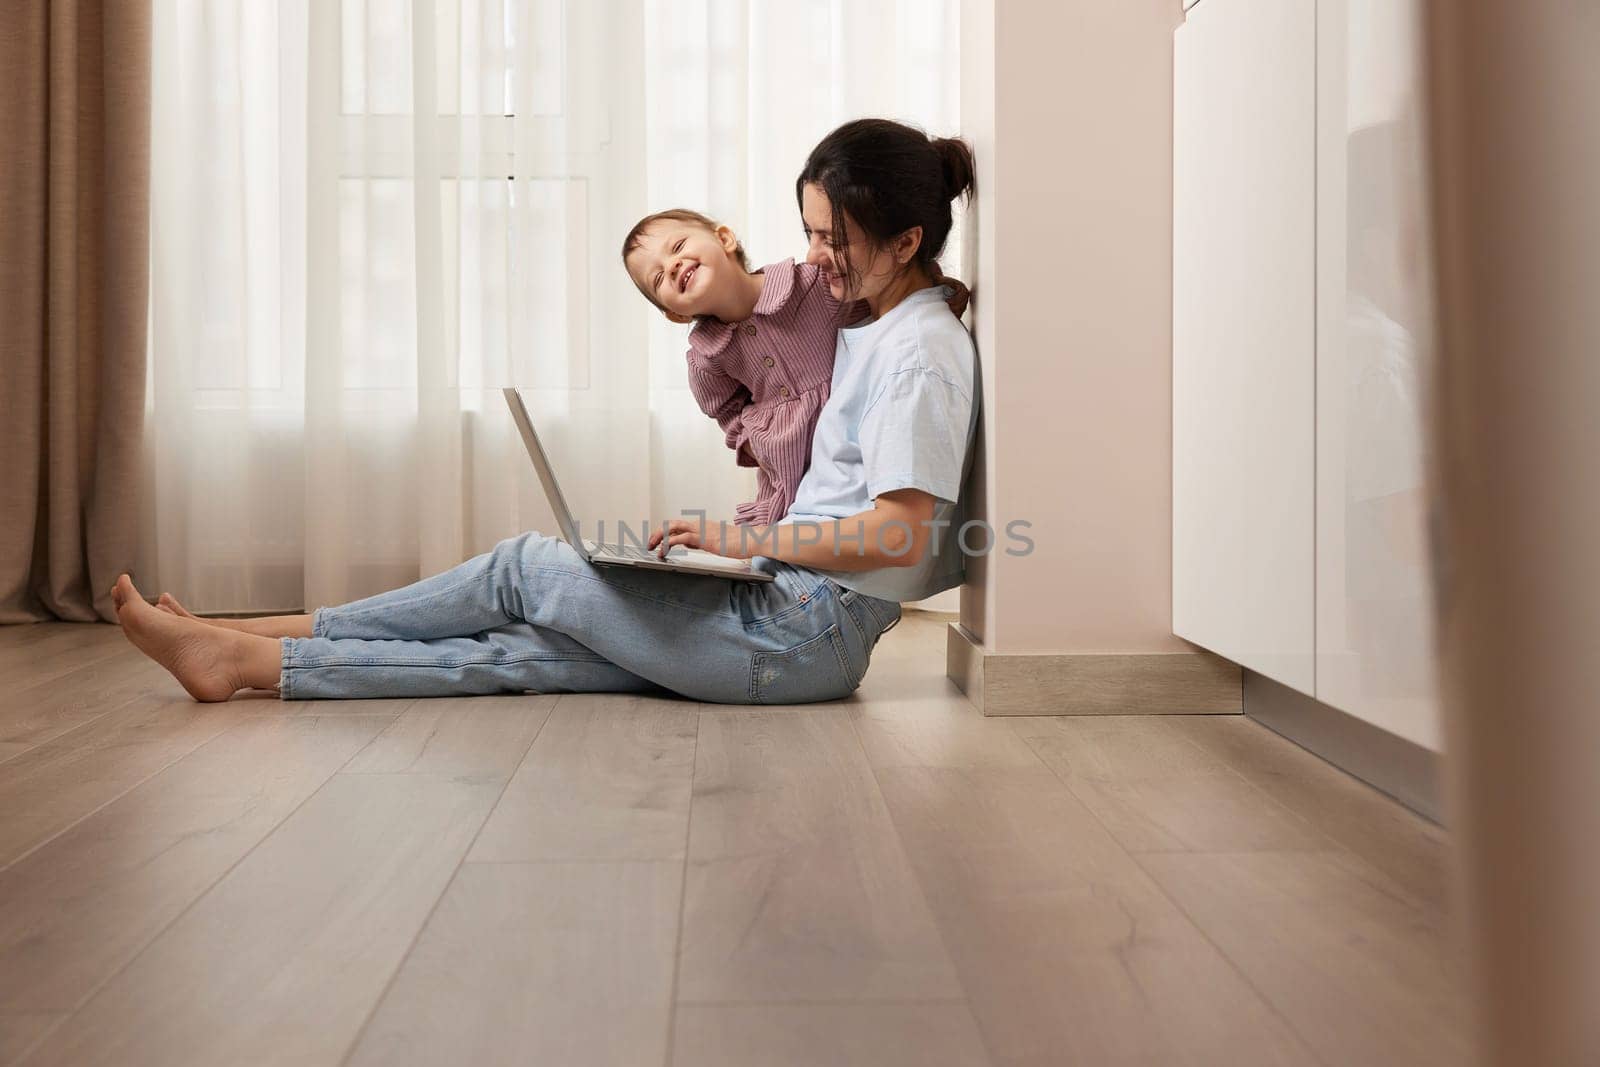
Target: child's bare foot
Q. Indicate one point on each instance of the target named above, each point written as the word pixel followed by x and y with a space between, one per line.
pixel 202 658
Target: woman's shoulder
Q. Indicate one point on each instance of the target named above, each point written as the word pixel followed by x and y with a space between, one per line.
pixel 934 317
pixel 930 336
pixel 924 341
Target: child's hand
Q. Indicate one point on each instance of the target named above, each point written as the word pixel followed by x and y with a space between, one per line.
pixel 960 295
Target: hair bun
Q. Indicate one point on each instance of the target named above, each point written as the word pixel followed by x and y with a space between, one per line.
pixel 960 172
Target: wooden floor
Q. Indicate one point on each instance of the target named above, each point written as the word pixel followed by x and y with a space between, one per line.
pixel 891 879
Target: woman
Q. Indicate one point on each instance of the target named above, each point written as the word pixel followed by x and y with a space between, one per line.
pixel 873 523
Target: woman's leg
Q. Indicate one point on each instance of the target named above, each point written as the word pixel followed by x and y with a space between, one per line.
pixel 507 584
pixel 515 658
pixel 484 593
pixel 794 640
pixel 707 638
pixel 213 662
pixel 679 631
pixel 266 626
pixel 691 634
pixel 479 595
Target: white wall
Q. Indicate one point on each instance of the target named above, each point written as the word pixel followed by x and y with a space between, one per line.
pixel 1069 107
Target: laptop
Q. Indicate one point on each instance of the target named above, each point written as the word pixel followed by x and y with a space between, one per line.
pixel 687 561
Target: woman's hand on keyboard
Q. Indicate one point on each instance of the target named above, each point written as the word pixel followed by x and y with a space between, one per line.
pixel 708 535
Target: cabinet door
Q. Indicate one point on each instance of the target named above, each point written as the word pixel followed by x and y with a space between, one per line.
pixel 1374 633
pixel 1244 333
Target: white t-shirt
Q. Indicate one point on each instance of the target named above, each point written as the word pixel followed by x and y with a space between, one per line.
pixel 901 415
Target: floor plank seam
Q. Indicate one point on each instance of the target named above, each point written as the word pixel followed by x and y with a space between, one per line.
pixel 102 656
pixel 1265 850
pixel 113 709
pixel 966 996
pixel 569 861
pixel 1336 842
pixel 1261 996
pixel 56 737
pixel 1250 983
pixel 156 935
pixel 444 890
pixel 99 658
pixel 1272 800
pixel 39 1041
pixel 97 809
pixel 1333 844
pixel 815 1002
pixel 683 892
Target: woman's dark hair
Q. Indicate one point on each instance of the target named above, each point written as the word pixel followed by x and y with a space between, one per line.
pixel 889 178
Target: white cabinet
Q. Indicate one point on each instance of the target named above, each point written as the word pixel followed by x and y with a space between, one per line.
pixel 1243 337
pixel 1374 630
pixel 1300 313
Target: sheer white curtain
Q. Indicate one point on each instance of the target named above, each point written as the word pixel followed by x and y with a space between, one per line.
pixel 369 215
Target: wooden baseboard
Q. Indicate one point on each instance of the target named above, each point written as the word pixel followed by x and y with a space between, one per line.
pixel 1092 683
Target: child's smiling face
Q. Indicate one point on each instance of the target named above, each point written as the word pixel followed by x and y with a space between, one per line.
pixel 683 267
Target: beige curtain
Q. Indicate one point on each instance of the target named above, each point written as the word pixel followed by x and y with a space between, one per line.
pixel 74 276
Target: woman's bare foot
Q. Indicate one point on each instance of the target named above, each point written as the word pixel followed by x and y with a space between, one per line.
pixel 204 659
pixel 169 604
pixel 267 626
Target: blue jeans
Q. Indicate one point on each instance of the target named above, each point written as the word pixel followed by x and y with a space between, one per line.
pixel 531 615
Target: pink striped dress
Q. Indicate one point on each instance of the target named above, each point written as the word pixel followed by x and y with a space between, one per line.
pixel 765 380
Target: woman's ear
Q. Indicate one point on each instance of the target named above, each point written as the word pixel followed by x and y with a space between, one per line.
pixel 673 316
pixel 906 245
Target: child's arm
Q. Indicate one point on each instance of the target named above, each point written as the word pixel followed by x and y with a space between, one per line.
pixel 723 398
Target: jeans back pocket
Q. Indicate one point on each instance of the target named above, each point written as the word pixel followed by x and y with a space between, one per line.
pixel 816 669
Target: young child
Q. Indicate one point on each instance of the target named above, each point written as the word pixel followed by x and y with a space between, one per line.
pixel 761 350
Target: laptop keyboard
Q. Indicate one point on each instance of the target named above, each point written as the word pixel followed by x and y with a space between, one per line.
pixel 631 552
